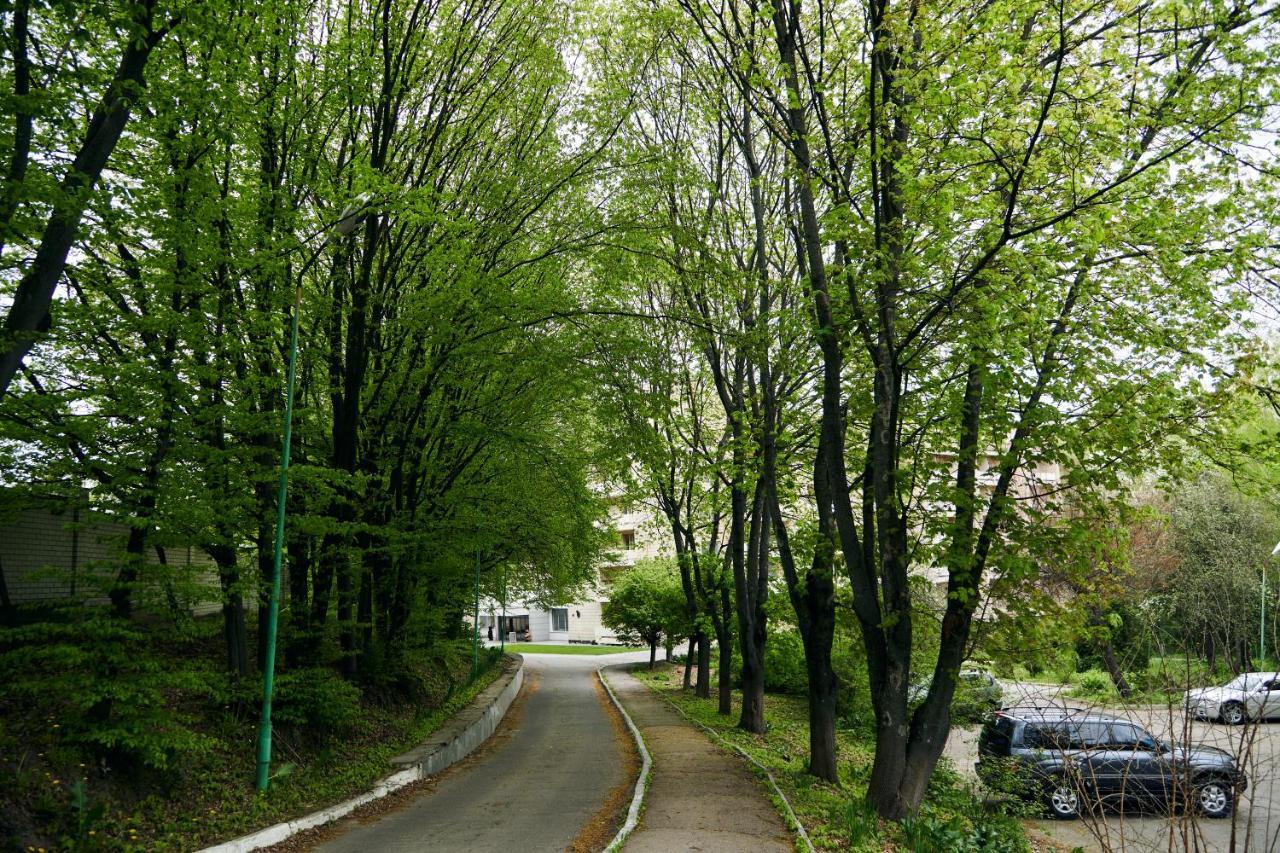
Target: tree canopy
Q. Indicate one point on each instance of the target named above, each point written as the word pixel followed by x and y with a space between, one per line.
pixel 849 292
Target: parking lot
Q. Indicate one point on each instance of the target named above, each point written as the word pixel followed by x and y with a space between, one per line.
pixel 1255 825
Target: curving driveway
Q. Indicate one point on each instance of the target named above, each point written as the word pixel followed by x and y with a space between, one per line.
pixel 542 778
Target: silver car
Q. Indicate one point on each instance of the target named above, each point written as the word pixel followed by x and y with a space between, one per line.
pixel 1252 696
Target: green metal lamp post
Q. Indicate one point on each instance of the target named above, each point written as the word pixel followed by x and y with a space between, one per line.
pixel 347 222
pixel 273 607
pixel 475 634
pixel 1262 614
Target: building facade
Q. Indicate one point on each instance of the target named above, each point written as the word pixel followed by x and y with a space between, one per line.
pixel 50 553
pixel 638 537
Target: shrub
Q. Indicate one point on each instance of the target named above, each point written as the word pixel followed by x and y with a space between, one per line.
pixel 853 699
pixel 99 685
pixel 1093 684
pixel 956 819
pixel 318 700
pixel 972 702
pixel 784 669
pixel 1064 666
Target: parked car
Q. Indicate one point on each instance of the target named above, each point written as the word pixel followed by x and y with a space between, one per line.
pixel 1075 760
pixel 977 694
pixel 1252 696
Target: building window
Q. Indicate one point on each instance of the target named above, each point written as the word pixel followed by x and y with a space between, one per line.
pixel 628 539
pixel 559 619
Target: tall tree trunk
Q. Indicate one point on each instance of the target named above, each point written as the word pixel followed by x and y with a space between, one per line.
pixel 300 644
pixel 28 315
pixel 702 688
pixel 1114 670
pixel 346 617
pixel 1108 652
pixel 266 565
pixel 724 639
pixel 364 605
pixel 751 615
pixel 331 556
pixel 121 593
pixel 813 600
pixel 233 629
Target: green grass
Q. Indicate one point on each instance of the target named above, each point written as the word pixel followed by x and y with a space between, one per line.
pixel 954 818
pixel 576 649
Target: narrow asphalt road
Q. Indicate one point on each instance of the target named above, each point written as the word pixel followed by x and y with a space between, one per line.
pixel 534 785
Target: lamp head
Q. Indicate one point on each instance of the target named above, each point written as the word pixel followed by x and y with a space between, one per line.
pixel 352 214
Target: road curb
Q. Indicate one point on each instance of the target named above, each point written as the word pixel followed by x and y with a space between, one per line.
pixel 642 783
pixel 456 739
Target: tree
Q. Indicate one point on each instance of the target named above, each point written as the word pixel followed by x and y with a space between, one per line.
pixel 440 385
pixel 646 602
pixel 1223 541
pixel 1016 225
pixel 135 33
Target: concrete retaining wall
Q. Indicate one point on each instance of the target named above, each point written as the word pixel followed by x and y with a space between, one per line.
pixel 453 741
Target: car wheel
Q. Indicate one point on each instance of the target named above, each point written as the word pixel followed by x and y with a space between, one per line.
pixel 1232 713
pixel 1064 800
pixel 1213 798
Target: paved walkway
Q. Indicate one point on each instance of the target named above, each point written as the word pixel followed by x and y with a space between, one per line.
pixel 544 777
pixel 700 797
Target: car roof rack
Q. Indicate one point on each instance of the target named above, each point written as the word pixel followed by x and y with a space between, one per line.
pixel 1042 707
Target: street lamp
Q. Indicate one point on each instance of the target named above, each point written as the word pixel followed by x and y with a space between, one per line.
pixel 475 634
pixel 1262 612
pixel 347 222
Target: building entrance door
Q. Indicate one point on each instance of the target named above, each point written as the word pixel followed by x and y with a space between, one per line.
pixel 516 628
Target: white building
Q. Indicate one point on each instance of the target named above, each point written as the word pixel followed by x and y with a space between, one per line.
pixel 639 537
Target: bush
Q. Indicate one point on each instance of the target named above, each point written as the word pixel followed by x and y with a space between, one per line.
pixel 1093 684
pixel 1064 666
pixel 955 819
pixel 853 698
pixel 972 703
pixel 784 669
pixel 318 700
pixel 94 679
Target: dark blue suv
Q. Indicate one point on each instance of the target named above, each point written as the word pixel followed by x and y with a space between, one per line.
pixel 1076 760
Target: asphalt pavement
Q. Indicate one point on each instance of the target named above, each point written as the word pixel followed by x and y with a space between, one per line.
pixel 543 776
